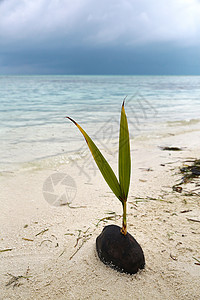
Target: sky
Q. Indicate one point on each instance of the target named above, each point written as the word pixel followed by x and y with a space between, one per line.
pixel 111 37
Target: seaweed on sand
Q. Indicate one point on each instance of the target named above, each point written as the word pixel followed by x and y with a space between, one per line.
pixel 190 173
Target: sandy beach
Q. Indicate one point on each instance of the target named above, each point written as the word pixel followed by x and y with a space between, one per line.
pixel 48 252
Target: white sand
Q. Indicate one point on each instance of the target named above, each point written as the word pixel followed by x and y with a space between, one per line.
pixel 169 240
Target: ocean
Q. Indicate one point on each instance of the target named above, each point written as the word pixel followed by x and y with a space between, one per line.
pixel 34 130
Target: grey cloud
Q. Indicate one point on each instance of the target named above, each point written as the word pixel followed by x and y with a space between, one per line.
pixel 94 22
pixel 99 37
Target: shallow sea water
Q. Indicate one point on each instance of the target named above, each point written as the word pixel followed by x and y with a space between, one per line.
pixel 33 127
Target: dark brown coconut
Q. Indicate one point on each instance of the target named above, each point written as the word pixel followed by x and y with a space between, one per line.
pixel 120 252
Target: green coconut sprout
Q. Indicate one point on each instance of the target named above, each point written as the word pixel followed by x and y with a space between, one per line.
pixel 119 187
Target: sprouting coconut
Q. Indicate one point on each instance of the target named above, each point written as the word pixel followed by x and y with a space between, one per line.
pixel 115 246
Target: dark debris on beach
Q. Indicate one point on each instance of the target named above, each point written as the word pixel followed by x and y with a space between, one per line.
pixel 171 148
pixel 191 173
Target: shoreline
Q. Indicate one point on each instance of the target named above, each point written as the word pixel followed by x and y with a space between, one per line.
pixel 53 247
pixel 109 144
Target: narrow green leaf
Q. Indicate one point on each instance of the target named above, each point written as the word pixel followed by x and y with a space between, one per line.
pixel 124 155
pixel 102 164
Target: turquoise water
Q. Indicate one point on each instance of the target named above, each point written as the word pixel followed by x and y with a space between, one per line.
pixel 33 110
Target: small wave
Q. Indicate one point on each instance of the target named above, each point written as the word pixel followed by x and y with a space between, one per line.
pixel 183 122
pixel 53 161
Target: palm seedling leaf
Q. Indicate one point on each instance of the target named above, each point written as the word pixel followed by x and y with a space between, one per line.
pixel 102 164
pixel 124 155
